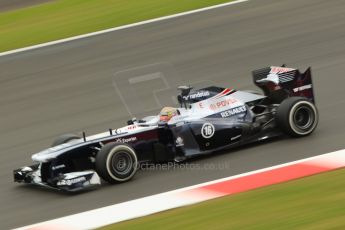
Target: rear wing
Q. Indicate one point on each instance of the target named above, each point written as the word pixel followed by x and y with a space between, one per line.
pixel 280 82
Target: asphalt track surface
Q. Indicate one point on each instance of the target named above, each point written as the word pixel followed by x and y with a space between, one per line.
pixel 7 5
pixel 68 88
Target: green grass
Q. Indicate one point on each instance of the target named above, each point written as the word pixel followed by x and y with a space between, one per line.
pixel 316 202
pixel 66 18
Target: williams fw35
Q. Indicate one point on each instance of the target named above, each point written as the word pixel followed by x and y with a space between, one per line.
pixel 207 120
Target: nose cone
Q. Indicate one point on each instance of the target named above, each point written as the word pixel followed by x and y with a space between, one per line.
pixel 43 156
pixel 50 153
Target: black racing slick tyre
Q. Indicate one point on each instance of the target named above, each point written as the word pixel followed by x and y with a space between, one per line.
pixel 64 139
pixel 116 163
pixel 297 116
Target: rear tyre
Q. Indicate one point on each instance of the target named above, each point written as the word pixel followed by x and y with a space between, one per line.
pixel 64 139
pixel 116 163
pixel 297 116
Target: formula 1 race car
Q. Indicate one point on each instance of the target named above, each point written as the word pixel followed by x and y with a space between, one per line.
pixel 207 120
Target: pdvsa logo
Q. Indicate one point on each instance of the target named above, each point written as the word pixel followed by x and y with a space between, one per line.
pixel 222 103
pixel 207 130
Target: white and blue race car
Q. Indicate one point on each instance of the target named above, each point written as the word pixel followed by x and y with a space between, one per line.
pixel 207 120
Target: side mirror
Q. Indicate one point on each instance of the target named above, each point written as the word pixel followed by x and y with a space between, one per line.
pixel 131 122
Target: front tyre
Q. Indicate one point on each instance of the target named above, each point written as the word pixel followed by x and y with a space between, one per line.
pixel 297 116
pixel 116 162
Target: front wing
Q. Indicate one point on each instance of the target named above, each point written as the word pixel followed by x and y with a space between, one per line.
pixel 70 182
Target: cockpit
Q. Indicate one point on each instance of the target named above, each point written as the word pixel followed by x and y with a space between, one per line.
pixel 167 113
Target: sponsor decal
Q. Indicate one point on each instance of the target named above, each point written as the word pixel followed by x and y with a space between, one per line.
pixel 277 75
pixel 179 118
pixel 71 181
pixel 234 111
pixel 131 127
pixel 179 142
pixel 298 89
pixel 197 95
pixel 58 167
pixel 276 69
pixel 222 103
pixel 207 130
pixel 126 140
pixel 213 107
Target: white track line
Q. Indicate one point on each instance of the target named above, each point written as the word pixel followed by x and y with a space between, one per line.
pixel 118 28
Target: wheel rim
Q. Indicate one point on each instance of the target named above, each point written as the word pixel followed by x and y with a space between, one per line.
pixel 121 163
pixel 304 118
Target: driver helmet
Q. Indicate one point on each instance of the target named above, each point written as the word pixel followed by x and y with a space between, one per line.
pixel 167 113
